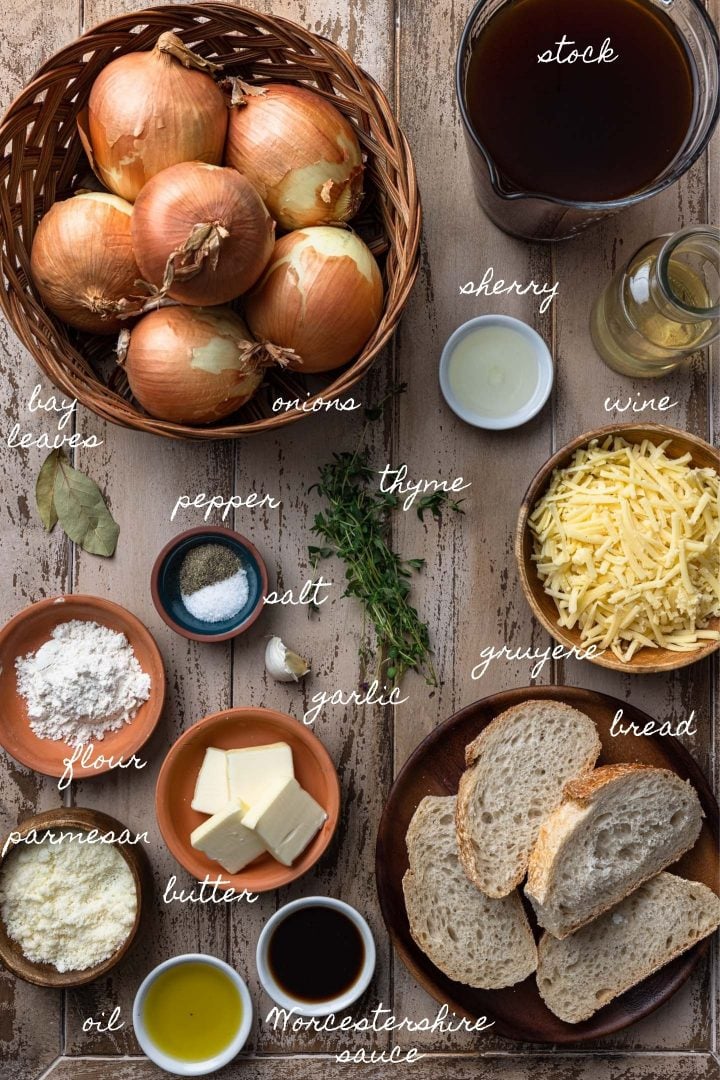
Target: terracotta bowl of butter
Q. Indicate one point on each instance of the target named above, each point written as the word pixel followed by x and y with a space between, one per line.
pixel 230 730
pixel 646 660
pixel 80 819
pixel 25 633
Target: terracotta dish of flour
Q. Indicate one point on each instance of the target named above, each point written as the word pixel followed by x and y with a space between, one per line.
pixel 82 683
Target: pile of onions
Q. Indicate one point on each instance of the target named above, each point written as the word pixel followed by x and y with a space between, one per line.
pixel 298 150
pixel 156 131
pixel 192 365
pixel 150 110
pixel 321 296
pixel 82 261
pixel 201 234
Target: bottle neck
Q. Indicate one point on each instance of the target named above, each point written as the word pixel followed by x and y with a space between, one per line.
pixel 685 276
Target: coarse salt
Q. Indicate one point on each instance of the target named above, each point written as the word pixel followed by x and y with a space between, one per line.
pixel 221 601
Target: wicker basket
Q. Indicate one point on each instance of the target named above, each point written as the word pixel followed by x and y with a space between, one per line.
pixel 43 161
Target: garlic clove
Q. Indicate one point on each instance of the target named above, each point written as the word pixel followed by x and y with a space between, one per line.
pixel 284 664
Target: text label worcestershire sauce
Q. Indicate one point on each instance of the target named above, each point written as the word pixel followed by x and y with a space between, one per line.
pixel 581 131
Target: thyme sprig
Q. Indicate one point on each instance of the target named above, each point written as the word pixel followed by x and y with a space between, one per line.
pixel 355 525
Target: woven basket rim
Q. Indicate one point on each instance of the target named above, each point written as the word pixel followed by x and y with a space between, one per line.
pixel 45 337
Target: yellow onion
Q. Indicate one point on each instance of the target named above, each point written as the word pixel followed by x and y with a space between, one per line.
pixel 201 234
pixel 150 110
pixel 193 365
pixel 321 296
pixel 299 151
pixel 82 261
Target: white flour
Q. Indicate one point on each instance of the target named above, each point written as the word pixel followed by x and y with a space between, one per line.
pixel 81 683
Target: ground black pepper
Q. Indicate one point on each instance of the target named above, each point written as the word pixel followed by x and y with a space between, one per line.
pixel 206 564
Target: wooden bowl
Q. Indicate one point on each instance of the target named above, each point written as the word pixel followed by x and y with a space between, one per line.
pixel 25 633
pixel 11 954
pixel 229 730
pixel 435 768
pixel 646 660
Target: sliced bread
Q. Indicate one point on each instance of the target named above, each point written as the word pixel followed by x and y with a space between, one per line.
pixel 663 918
pixel 618 826
pixel 517 768
pixel 472 939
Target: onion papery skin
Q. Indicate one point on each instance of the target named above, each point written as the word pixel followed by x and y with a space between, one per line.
pixel 178 200
pixel 189 365
pixel 147 112
pixel 82 261
pixel 321 295
pixel 301 154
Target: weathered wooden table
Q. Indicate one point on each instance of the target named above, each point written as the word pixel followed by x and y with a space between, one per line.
pixel 469 591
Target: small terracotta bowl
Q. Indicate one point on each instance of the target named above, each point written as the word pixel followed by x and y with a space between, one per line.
pixel 229 730
pixel 12 956
pixel 165 584
pixel 646 660
pixel 25 633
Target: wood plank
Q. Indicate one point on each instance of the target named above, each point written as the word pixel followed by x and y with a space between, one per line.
pixel 143 477
pixel 469 591
pixel 583 267
pixel 445 1067
pixel 34 565
pixel 286 464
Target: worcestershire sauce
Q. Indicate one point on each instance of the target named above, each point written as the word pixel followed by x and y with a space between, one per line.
pixel 580 131
pixel 316 954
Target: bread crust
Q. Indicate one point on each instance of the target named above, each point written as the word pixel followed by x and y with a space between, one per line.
pixel 474 753
pixel 557 829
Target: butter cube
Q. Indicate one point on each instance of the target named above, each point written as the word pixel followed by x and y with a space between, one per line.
pixel 224 838
pixel 285 819
pixel 212 792
pixel 255 770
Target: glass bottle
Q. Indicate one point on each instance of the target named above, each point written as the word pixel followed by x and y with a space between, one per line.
pixel 663 306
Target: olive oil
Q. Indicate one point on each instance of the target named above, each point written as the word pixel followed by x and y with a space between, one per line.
pixel 192 1011
pixel 581 131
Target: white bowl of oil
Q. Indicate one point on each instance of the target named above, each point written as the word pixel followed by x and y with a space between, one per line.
pixel 192 1014
pixel 496 372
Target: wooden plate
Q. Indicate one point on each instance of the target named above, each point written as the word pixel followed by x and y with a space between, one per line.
pixel 435 768
pixel 646 660
pixel 25 633
pixel 12 956
pixel 229 730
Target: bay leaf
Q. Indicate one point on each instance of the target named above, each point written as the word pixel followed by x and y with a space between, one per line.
pixel 82 512
pixel 45 488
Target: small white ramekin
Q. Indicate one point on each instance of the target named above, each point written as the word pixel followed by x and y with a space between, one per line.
pixel 194 1068
pixel 543 360
pixel 320 1008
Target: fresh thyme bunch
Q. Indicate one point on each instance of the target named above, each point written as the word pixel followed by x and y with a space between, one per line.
pixel 355 525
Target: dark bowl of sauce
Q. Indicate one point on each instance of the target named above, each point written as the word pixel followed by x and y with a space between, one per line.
pixel 316 955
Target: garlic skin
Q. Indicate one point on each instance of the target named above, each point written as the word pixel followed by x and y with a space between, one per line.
pixel 282 663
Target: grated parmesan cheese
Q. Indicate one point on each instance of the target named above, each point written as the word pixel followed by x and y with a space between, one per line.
pixel 67 903
pixel 627 543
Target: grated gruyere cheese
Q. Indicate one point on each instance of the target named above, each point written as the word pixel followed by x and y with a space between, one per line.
pixel 627 543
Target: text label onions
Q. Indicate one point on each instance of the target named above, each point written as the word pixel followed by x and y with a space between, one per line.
pixel 192 365
pixel 82 261
pixel 201 233
pixel 321 295
pixel 150 110
pixel 299 151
